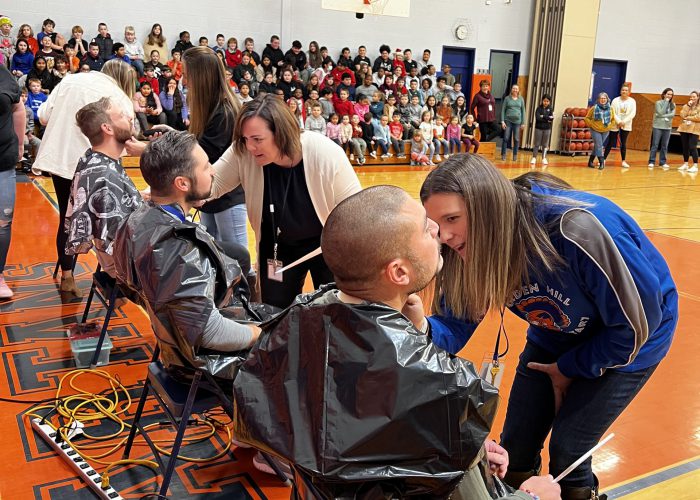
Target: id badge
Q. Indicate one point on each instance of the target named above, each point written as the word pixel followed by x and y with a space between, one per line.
pixel 490 107
pixel 272 267
pixel 490 371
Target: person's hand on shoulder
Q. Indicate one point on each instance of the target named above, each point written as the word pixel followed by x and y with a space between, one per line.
pixel 542 486
pixel 413 310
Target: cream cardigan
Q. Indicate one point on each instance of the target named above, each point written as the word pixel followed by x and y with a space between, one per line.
pixel 63 143
pixel 329 177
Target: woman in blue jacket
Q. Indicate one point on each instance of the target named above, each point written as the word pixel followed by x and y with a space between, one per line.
pixel 598 296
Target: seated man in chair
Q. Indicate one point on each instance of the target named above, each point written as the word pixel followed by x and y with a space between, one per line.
pixel 102 194
pixel 182 276
pixel 355 397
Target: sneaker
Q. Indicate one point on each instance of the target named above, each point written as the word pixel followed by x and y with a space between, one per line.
pixel 665 166
pixel 625 164
pixel 515 158
pixel 651 166
pixel 352 157
pixel 360 161
pixel 438 158
pixel 503 157
pixel 261 464
pixel 533 161
pixel 447 157
pixel 693 169
pixel 683 167
pixel 385 155
pixel 544 162
pixel 401 157
pixel 5 292
pixel 373 155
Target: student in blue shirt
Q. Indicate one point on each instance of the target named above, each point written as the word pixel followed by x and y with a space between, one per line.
pixel 599 298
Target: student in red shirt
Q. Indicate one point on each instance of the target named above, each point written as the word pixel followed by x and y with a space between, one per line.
pixel 342 105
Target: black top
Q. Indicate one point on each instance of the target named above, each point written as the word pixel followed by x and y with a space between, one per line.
pixel 469 129
pixel 216 139
pixel 544 117
pixel 296 219
pixel 9 96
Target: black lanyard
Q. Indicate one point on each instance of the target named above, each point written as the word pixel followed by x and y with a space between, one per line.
pixel 275 227
pixel 501 329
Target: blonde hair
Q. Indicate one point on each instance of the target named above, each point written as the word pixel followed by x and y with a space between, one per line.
pixel 77 28
pixel 504 240
pixel 123 75
pixel 207 88
pixel 280 120
pixel 129 29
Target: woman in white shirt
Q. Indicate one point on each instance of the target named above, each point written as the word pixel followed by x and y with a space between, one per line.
pixel 625 108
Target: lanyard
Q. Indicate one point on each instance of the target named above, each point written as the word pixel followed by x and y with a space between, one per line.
pixel 175 210
pixel 501 328
pixel 275 227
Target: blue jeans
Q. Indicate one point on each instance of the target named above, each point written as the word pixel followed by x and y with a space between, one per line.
pixel 659 139
pixel 512 130
pixel 588 410
pixel 7 210
pixel 228 225
pixel 599 139
pixel 138 66
pixel 382 146
pixel 445 146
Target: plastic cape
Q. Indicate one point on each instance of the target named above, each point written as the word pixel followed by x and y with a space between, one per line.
pixel 360 402
pixel 180 275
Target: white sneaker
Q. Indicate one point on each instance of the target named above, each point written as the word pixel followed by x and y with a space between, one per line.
pixel 545 162
pixel 693 169
pixel 384 156
pixel 352 157
pixel 437 158
pixel 665 166
pixel 533 161
pixel 683 167
pixel 625 164
pixel 447 157
pixel 6 293
pixel 651 166
pixel 373 155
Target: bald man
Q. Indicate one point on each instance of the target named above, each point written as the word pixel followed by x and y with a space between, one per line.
pixel 343 386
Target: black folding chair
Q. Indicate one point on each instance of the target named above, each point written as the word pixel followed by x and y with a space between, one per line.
pixel 105 288
pixel 179 400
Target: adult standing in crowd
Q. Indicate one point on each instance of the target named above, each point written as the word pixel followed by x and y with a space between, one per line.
pixel 689 130
pixel 156 41
pixel 292 181
pixel 599 298
pixel 64 144
pixel 600 119
pixel 12 126
pixel 484 110
pixel 625 109
pixel 512 121
pixel 664 111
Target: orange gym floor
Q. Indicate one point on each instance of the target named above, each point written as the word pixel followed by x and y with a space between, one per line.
pixel 656 451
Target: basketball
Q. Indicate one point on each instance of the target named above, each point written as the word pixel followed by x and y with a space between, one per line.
pixel 585 146
pixel 579 146
pixel 573 135
pixel 581 135
pixel 568 111
pixel 587 134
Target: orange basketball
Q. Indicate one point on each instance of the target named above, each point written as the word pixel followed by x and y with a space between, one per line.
pixel 582 112
pixel 587 134
pixel 568 111
pixel 582 123
pixel 581 135
pixel 569 123
pixel 572 135
pixel 591 145
pixel 579 146
pixel 585 146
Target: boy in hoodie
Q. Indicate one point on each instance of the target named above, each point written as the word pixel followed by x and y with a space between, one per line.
pixel 273 51
pixel 104 42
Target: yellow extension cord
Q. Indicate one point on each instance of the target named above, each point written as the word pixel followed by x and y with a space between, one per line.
pixel 75 408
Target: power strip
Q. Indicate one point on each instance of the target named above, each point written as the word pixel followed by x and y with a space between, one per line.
pixel 84 469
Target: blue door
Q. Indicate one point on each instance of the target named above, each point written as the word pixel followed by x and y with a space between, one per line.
pixel 462 62
pixel 607 76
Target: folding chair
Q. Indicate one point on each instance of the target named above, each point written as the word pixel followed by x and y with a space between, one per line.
pixel 106 289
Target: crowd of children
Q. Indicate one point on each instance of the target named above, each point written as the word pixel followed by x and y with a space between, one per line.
pixel 367 107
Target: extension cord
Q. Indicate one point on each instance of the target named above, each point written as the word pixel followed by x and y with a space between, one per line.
pixel 84 469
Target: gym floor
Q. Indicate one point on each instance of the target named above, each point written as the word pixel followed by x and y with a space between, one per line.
pixel 654 455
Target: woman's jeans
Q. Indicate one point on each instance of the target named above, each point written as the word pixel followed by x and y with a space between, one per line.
pixel 587 411
pixel 512 130
pixel 228 225
pixel 7 210
pixel 599 139
pixel 659 140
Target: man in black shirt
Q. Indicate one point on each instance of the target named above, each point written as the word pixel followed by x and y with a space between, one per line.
pixel 296 57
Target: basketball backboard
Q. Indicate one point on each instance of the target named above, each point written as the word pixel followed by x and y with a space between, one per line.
pixel 399 8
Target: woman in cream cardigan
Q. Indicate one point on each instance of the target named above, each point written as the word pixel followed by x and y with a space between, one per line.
pixel 292 181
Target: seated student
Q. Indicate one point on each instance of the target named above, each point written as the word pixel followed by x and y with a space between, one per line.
pixel 155 63
pixel 73 60
pixel 175 64
pixel 174 105
pixel 175 266
pixel 119 52
pixel 92 58
pixel 348 416
pixel 31 141
pixel 249 45
pixel 35 97
pixel 326 103
pixel 342 105
pixel 241 68
pixel 396 131
pixel 102 193
pixel 183 43
pixel 150 78
pixel 104 42
pixel 77 42
pixel 148 108
pixel 244 92
pixel 346 84
pixel 163 80
pixel 315 122
pixel 268 85
pixel 134 49
pixel 22 59
pixel 47 52
pixel 47 30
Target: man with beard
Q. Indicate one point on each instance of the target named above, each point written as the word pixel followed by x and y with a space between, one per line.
pixel 182 276
pixel 357 398
pixel 102 194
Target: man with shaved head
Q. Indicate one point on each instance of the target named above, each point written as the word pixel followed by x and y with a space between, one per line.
pixel 350 393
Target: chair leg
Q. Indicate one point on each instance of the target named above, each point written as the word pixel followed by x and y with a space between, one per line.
pixel 137 419
pixel 55 270
pixel 184 418
pixel 105 325
pixel 91 295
